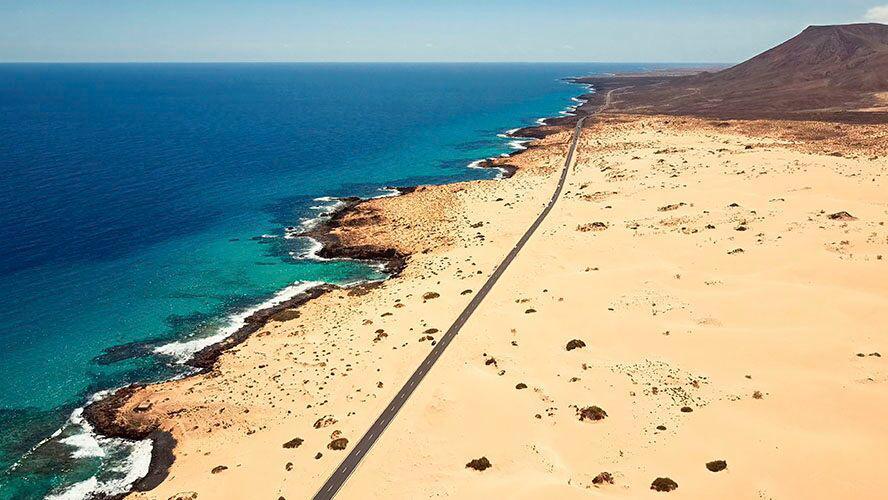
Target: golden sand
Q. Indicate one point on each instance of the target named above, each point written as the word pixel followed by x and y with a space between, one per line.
pixel 725 315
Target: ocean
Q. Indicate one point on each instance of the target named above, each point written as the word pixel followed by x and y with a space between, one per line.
pixel 146 206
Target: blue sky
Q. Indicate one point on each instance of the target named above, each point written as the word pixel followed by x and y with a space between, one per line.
pixel 388 30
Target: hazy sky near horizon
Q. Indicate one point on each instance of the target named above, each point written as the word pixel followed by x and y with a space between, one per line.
pixel 389 30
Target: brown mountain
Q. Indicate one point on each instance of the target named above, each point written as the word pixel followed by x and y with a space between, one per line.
pixel 825 72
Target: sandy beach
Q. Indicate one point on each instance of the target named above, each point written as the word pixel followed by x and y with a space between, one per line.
pixel 725 281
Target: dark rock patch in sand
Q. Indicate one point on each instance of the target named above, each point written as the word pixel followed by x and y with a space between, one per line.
pixel 592 226
pixel 603 478
pixel 593 413
pixel 716 465
pixel 286 315
pixel 663 484
pixel 324 422
pixel 479 464
pixel 184 495
pixel 669 208
pixel 293 443
pixel 842 216
pixel 217 469
pixel 575 344
pixel 338 444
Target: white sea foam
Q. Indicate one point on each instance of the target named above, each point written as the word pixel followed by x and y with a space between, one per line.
pixel 387 192
pixel 519 144
pixel 77 491
pixel 85 443
pixel 128 471
pixel 181 351
pixel 331 206
pixel 311 253
pixel 508 133
pixel 477 163
pixel 501 172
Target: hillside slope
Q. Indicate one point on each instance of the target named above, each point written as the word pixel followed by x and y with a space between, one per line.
pixel 838 72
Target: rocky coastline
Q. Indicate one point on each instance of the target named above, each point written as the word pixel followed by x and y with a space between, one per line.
pixel 104 414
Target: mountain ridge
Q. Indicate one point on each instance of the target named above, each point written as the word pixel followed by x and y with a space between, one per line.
pixel 839 70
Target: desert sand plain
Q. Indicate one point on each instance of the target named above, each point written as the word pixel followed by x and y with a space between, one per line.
pixel 727 281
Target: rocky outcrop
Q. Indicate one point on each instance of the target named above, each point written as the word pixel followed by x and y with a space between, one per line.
pixel 603 478
pixel 479 464
pixel 333 247
pixel 716 465
pixel 293 443
pixel 338 444
pixel 842 216
pixel 593 413
pixel 575 344
pixel 663 484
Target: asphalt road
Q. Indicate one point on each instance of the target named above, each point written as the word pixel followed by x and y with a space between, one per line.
pixel 341 475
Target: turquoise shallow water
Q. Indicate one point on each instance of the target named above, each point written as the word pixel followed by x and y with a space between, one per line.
pixel 148 203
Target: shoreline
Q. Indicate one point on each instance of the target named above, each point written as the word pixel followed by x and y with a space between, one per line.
pixel 375 225
pixel 101 414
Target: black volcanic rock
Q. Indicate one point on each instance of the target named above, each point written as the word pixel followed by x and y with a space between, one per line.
pixel 338 444
pixel 293 443
pixel 575 344
pixel 663 484
pixel 843 216
pixel 479 464
pixel 716 465
pixel 603 478
pixel 593 413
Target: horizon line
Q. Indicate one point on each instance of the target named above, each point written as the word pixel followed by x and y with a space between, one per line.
pixel 703 63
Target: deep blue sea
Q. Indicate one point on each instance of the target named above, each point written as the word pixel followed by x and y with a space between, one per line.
pixel 147 203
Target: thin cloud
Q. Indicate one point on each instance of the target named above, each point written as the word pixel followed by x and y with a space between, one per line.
pixel 878 14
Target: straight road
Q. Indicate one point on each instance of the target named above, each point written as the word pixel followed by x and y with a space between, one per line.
pixel 335 482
